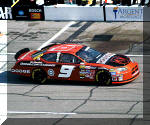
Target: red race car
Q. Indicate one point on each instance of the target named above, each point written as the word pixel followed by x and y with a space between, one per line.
pixel 75 62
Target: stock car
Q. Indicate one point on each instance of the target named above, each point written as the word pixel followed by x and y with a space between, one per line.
pixel 75 62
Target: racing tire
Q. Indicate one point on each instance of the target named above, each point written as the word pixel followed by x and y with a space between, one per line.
pixel 39 76
pixel 21 52
pixel 103 77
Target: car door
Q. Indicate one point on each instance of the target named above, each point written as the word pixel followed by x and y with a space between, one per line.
pixel 50 65
pixel 68 66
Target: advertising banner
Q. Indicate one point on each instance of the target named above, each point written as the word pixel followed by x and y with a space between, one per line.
pixel 28 13
pixel 124 13
pixel 5 13
pixel 74 12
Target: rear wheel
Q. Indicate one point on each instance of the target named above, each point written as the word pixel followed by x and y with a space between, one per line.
pixel 39 76
pixel 103 77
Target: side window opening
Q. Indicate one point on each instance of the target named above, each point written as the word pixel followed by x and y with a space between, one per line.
pixel 50 57
pixel 68 58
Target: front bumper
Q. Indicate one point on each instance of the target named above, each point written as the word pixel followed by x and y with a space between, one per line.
pixel 128 80
pixel 127 76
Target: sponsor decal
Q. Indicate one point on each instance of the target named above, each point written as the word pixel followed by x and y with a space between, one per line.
pixel 128 13
pixel 35 10
pixel 20 12
pixel 111 70
pixel 5 13
pixel 20 71
pixel 82 72
pixel 87 67
pixel 120 78
pixel 105 58
pixel 115 10
pixel 38 56
pixel 114 78
pixel 51 72
pixel 113 73
pixel 82 66
pixel 87 73
pixel 62 47
pixel 36 64
pixel 35 16
pixel 92 67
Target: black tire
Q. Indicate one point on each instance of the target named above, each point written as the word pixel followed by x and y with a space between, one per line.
pixel 103 77
pixel 39 76
pixel 21 52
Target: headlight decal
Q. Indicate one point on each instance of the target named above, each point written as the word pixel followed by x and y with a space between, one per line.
pixel 121 69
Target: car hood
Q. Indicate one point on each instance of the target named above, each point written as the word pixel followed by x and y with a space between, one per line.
pixel 114 60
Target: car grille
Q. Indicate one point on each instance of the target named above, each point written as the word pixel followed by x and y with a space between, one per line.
pixel 134 69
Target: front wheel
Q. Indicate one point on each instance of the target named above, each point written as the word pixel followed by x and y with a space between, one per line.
pixel 103 77
pixel 39 76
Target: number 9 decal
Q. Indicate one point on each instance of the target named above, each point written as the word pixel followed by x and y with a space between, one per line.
pixel 66 71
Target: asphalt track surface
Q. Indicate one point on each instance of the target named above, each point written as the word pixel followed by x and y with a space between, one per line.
pixel 64 99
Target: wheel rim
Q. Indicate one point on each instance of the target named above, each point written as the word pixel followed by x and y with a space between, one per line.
pixel 103 78
pixel 39 76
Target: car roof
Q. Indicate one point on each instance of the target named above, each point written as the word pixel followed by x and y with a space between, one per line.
pixel 65 48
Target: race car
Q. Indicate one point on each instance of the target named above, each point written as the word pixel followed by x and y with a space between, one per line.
pixel 75 62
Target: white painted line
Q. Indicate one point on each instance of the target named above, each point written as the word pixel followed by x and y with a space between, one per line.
pixel 2 119
pixel 7 53
pixel 55 113
pixel 56 35
pixel 135 55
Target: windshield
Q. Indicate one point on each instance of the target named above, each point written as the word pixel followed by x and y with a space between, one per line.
pixel 89 55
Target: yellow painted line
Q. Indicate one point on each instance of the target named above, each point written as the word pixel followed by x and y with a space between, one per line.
pixel 15 3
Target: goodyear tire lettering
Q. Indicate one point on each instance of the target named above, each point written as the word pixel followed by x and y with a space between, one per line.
pixel 103 72
pixel 43 77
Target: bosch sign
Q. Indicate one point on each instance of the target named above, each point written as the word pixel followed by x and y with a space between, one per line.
pixel 28 13
pixel 35 10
